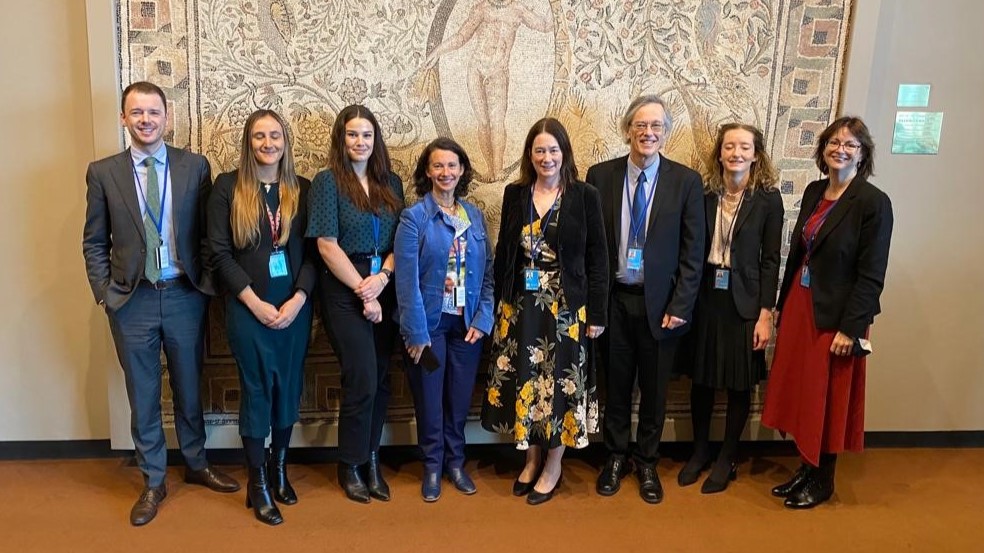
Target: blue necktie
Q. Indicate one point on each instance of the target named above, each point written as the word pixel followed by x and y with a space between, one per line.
pixel 639 210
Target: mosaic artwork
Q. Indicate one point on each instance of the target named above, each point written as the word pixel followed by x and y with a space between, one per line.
pixel 480 71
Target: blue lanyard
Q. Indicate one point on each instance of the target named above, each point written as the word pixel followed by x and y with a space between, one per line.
pixel 634 225
pixel 457 259
pixel 811 239
pixel 535 245
pixel 375 233
pixel 159 220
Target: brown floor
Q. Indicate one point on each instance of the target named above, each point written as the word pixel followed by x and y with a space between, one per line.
pixel 886 500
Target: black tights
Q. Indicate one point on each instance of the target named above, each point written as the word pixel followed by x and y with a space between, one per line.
pixel 255 450
pixel 701 409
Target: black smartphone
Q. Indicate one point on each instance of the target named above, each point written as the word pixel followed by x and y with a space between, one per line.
pixel 428 360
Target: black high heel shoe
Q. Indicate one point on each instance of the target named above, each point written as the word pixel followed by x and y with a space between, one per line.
pixel 283 492
pixel 713 485
pixel 378 488
pixel 259 499
pixel 690 472
pixel 523 488
pixel 352 483
pixel 536 498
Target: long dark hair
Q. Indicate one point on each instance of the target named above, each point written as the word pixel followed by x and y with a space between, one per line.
pixel 377 169
pixel 422 183
pixel 553 127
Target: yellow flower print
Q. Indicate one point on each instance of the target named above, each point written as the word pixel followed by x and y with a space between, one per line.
pixel 507 310
pixel 503 328
pixel 548 429
pixel 493 397
pixel 554 308
pixel 570 424
pixel 526 392
pixel 520 431
pixel 572 331
pixel 582 314
pixel 521 410
pixel 567 439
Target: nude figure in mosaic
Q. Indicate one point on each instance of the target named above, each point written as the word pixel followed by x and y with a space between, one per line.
pixel 492 24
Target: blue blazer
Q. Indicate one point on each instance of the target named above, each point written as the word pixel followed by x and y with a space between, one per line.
pixel 421 248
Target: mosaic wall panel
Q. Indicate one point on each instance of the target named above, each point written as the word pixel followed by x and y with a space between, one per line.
pixel 481 71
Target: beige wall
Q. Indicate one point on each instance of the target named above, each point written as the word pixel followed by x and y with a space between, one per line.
pixel 56 356
pixel 54 349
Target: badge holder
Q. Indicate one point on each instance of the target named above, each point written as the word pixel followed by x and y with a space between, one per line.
pixel 805 277
pixel 532 279
pixel 375 264
pixel 163 257
pixel 278 264
pixel 722 278
pixel 634 259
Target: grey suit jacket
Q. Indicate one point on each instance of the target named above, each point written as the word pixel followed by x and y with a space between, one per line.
pixel 113 240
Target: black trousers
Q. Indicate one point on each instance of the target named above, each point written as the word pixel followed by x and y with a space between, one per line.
pixel 364 351
pixel 634 353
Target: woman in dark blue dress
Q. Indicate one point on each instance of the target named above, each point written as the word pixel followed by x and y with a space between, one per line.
pixel 256 219
pixel 355 206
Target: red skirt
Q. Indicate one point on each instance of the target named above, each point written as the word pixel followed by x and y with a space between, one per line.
pixel 813 395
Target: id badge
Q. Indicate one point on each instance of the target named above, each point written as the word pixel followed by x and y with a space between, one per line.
pixel 532 279
pixel 375 264
pixel 459 296
pixel 278 264
pixel 722 278
pixel 634 261
pixel 163 257
pixel 805 277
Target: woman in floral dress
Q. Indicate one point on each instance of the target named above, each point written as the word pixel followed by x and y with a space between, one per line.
pixel 551 286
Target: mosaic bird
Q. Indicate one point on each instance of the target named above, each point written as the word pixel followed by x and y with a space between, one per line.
pixel 277 25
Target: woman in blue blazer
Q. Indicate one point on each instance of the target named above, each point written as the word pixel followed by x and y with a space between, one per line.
pixel 444 293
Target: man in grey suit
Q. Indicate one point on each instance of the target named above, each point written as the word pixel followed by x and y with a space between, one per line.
pixel 144 249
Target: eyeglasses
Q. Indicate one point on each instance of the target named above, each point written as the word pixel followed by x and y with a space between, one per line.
pixel 642 126
pixel 849 147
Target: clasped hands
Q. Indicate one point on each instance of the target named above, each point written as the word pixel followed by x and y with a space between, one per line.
pixel 278 319
pixel 368 291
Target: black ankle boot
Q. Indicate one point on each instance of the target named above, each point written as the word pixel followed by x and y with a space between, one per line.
pixel 378 487
pixel 800 477
pixel 352 483
pixel 818 488
pixel 258 497
pixel 282 490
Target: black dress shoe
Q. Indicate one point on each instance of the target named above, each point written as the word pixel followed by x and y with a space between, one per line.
pixel 650 488
pixel 690 472
pixel 799 478
pixel 522 488
pixel 719 479
pixel 145 509
pixel 536 498
pixel 610 479
pixel 809 495
pixel 259 499
pixel 430 489
pixel 213 479
pixel 378 488
pixel 279 485
pixel 352 483
pixel 462 482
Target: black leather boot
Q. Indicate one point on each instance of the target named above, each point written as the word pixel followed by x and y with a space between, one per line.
pixel 282 490
pixel 378 487
pixel 799 478
pixel 818 488
pixel 352 483
pixel 258 497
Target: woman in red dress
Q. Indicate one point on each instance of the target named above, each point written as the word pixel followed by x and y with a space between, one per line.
pixel 829 297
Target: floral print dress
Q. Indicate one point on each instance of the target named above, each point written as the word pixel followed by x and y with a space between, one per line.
pixel 541 388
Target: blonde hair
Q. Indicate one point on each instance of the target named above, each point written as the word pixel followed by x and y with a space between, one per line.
pixel 762 175
pixel 247 212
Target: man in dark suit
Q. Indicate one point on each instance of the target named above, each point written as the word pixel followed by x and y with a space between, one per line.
pixel 654 218
pixel 144 248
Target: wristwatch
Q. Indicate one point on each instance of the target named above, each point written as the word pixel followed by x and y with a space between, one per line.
pixel 388 273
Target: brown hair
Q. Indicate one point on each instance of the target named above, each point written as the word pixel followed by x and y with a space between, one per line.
pixel 422 183
pixel 247 210
pixel 553 127
pixel 377 169
pixel 854 125
pixel 761 176
pixel 142 87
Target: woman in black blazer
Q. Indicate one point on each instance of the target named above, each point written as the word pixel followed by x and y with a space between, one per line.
pixel 551 286
pixel 830 293
pixel 256 221
pixel 734 308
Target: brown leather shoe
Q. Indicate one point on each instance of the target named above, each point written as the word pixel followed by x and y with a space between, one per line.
pixel 145 509
pixel 213 479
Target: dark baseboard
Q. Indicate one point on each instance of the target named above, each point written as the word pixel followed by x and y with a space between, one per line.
pixel 594 453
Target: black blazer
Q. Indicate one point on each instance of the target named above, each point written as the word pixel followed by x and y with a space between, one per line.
pixel 113 240
pixel 672 261
pixel 581 249
pixel 238 268
pixel 850 256
pixel 755 249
